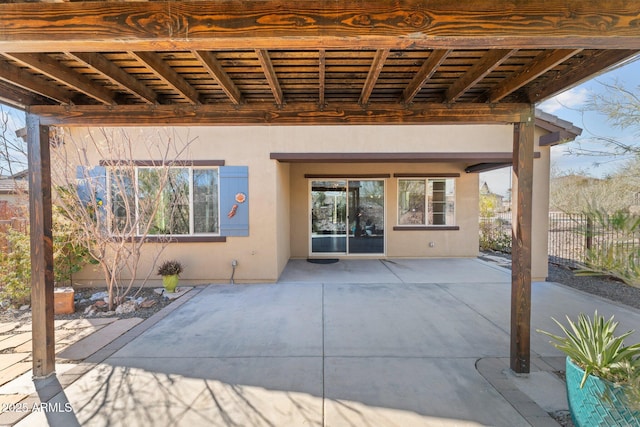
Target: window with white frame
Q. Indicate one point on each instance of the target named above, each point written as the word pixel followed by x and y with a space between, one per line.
pixel 164 200
pixel 426 201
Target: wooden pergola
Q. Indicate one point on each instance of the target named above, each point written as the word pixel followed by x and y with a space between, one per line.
pixel 295 62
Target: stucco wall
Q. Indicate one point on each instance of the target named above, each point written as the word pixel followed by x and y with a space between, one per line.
pixel 279 193
pixel 540 219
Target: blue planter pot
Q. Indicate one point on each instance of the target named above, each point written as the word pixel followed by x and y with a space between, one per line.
pixel 598 402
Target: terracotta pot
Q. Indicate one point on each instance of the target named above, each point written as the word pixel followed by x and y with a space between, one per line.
pixel 63 301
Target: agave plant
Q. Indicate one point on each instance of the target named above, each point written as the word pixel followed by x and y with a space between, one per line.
pixel 592 345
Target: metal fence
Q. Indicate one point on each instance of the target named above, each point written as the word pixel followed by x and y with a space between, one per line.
pixel 572 236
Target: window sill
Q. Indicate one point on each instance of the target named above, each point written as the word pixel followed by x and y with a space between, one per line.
pixel 425 227
pixel 183 239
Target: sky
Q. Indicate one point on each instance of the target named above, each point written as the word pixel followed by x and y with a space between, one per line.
pixel 569 106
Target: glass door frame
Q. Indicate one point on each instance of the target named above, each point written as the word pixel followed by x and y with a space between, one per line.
pixel 349 216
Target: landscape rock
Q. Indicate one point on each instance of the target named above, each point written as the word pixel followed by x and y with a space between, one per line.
pixel 148 303
pixel 100 304
pixel 126 307
pixel 99 296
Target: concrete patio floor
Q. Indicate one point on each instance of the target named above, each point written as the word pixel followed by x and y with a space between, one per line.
pixel 356 343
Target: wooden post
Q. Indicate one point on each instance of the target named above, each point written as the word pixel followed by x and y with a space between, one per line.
pixel 41 247
pixel 589 233
pixel 521 245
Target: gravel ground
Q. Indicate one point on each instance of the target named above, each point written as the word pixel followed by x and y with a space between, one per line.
pixel 83 300
pixel 609 288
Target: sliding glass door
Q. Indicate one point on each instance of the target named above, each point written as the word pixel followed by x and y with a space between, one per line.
pixel 328 217
pixel 347 217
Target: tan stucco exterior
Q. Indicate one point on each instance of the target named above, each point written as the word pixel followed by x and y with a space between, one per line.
pixel 279 212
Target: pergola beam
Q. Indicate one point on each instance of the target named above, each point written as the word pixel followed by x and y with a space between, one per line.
pixel 54 70
pixel 374 73
pixel 587 68
pixel 270 74
pixel 372 24
pixel 538 66
pixel 268 114
pixel 428 68
pixel 17 76
pixel 489 62
pixel 116 74
pixel 168 75
pixel 18 97
pixel 216 71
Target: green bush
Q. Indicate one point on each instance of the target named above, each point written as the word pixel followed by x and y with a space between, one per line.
pixel 69 256
pixel 69 252
pixel 494 237
pixel 15 269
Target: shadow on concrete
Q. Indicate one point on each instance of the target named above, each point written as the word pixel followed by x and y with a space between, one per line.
pixel 54 403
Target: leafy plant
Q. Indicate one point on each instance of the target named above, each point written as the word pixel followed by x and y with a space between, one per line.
pixel 494 237
pixel 69 253
pixel 593 345
pixel 619 257
pixel 69 256
pixel 170 268
pixel 15 269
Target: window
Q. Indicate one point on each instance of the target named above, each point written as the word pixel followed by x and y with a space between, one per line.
pixel 428 201
pixel 165 201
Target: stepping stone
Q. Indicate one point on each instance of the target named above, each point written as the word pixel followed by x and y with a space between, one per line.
pixel 181 290
pixel 14 371
pixel 77 335
pixel 88 323
pixel 15 340
pixel 6 400
pixel 94 342
pixel 6 327
pixel 24 348
pixel 9 359
pixel 28 327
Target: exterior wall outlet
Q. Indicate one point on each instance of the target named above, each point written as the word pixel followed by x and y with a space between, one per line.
pixel 234 263
pixel 432 244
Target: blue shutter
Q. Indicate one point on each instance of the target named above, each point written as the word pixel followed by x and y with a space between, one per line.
pixel 234 180
pixel 91 183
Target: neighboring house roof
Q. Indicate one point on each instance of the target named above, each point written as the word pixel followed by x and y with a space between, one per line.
pixel 560 131
pixel 20 175
pixel 13 186
pixel 486 191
